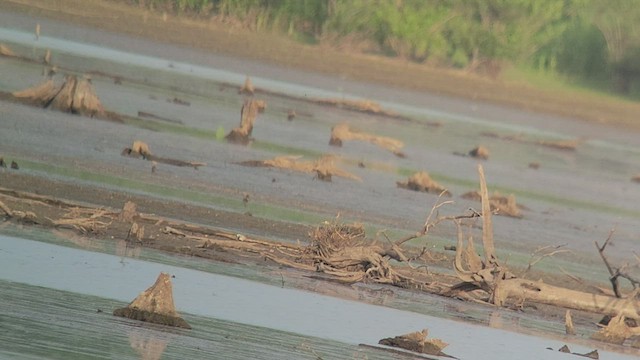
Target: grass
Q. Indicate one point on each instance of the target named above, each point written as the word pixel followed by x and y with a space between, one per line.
pixel 564 86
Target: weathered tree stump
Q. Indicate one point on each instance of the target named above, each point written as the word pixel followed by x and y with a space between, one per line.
pixel 248 115
pixel 480 152
pixel 74 96
pixel 417 342
pixel 155 305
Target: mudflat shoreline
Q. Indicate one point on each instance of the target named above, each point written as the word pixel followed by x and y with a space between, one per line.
pixel 219 38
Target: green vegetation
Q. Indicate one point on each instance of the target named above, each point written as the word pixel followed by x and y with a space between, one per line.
pixel 592 43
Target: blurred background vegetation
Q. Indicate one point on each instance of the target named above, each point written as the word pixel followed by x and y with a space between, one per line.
pixel 591 43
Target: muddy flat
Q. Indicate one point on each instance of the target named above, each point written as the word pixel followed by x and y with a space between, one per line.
pixel 572 197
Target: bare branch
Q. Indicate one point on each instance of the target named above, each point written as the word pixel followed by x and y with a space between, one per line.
pixel 618 272
pixel 532 262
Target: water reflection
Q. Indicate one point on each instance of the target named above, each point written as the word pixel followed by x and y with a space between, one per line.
pixel 146 345
pixel 128 248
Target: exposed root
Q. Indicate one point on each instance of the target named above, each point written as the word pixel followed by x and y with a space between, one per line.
pixel 617 331
pixel 41 94
pixel 342 132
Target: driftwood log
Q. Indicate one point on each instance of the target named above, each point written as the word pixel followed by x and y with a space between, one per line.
pixel 141 149
pixel 342 132
pixel 502 286
pixel 324 167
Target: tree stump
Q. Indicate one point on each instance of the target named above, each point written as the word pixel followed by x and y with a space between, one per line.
pixel 248 115
pixel 155 305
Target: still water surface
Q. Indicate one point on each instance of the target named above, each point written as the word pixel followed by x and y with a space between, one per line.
pixel 52 295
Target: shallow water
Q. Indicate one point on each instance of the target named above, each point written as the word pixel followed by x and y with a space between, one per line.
pixel 52 294
pixel 574 198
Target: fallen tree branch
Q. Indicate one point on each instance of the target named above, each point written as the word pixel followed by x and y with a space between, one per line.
pixel 542 293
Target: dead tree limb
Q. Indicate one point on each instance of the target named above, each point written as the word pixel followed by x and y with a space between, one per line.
pixel 542 293
pixel 487 225
pixel 618 272
pixel 428 224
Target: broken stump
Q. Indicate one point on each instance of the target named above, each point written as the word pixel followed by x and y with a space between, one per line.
pixel 155 305
pixel 248 87
pixel 417 342
pixel 248 115
pixel 480 152
pixel 76 96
